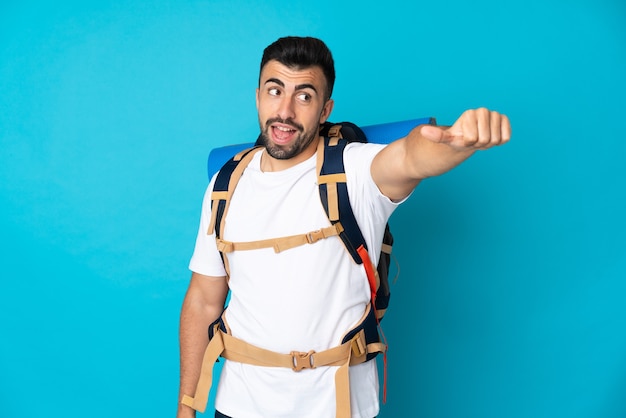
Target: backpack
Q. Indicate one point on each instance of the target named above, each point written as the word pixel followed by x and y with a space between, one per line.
pixel 360 344
pixel 334 197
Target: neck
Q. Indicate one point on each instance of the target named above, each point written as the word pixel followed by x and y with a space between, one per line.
pixel 269 163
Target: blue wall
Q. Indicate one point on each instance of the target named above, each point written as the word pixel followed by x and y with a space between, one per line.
pixel 510 301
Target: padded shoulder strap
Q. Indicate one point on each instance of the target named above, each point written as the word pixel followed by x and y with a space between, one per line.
pixel 333 191
pixel 224 187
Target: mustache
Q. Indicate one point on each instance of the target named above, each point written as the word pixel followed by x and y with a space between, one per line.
pixel 288 121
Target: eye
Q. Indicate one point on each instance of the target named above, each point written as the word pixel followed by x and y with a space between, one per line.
pixel 273 91
pixel 305 97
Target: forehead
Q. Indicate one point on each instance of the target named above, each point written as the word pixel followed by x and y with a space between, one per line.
pixel 293 76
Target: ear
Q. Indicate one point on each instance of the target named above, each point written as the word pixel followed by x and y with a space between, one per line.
pixel 257 99
pixel 326 110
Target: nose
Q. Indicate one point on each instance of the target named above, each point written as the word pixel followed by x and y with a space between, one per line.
pixel 286 108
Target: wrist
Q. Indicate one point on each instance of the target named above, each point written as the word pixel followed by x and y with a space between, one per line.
pixel 185 412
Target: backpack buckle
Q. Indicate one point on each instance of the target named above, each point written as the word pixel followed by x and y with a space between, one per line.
pixel 314 236
pixel 302 360
pixel 358 346
pixel 335 131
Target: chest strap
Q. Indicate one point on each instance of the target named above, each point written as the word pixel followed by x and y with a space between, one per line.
pixel 281 243
pixel 352 352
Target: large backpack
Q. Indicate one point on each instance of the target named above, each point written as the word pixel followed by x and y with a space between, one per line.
pixel 334 197
pixel 360 344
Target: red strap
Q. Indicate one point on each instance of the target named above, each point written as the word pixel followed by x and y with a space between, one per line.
pixel 371 278
pixel 369 270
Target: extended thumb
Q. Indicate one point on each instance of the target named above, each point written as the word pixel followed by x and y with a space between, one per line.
pixel 434 133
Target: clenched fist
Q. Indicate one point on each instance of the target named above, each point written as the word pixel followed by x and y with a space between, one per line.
pixel 475 129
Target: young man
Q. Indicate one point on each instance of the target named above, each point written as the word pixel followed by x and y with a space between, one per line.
pixel 305 298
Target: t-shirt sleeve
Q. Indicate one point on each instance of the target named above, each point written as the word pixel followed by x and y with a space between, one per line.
pixel 206 259
pixel 358 159
pixel 371 208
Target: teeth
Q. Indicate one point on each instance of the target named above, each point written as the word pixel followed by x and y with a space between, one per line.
pixel 280 128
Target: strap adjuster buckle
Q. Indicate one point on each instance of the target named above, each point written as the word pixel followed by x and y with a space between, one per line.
pixel 358 346
pixel 313 237
pixel 335 131
pixel 302 360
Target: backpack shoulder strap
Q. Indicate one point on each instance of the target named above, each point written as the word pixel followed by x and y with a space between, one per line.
pixel 333 191
pixel 223 189
pixel 334 196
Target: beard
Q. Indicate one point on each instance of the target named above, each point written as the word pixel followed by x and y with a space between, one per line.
pixel 299 144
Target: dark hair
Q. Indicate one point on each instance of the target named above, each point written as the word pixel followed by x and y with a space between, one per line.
pixel 299 53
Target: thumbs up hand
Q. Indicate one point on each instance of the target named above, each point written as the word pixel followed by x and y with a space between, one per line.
pixel 476 129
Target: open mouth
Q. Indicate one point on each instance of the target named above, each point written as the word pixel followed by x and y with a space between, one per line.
pixel 282 134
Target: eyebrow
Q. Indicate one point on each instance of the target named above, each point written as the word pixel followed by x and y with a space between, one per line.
pixel 298 87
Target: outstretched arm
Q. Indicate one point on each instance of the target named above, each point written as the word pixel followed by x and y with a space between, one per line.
pixel 429 151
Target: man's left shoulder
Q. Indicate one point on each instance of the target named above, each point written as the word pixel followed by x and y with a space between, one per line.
pixel 362 150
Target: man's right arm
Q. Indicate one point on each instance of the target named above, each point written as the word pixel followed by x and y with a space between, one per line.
pixel 429 151
pixel 203 304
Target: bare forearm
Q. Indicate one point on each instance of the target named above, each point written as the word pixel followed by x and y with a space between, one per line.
pixel 400 167
pixel 429 159
pixel 203 304
pixel 193 339
pixel 429 151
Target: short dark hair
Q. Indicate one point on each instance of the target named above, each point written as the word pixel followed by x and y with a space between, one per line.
pixel 299 53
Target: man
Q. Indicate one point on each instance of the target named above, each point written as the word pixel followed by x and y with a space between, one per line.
pixel 308 297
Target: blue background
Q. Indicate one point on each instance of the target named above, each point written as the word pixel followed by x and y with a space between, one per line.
pixel 511 295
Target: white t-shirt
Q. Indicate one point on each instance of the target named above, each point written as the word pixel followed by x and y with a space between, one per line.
pixel 305 298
